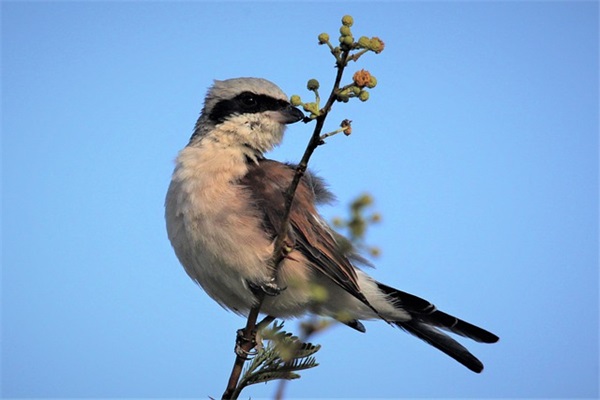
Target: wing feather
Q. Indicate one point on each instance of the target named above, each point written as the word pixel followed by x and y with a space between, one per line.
pixel 267 182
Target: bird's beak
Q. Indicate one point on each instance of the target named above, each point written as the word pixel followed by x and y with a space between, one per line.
pixel 288 115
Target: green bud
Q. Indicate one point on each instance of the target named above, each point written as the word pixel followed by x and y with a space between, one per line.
pixel 346 40
pixel 345 31
pixel 311 108
pixel 375 251
pixel 337 222
pixel 312 84
pixel 295 100
pixel 357 227
pixel 364 42
pixel 377 45
pixel 356 90
pixel 347 20
pixel 343 97
pixel 362 201
pixel 363 95
pixel 323 38
pixel 376 218
pixel 372 82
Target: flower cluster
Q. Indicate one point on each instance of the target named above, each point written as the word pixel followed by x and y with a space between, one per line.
pixel 347 50
pixel 347 43
pixel 346 38
pixel 373 44
pixel 363 79
pixel 312 107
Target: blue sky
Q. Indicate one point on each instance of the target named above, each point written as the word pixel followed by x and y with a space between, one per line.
pixel 479 145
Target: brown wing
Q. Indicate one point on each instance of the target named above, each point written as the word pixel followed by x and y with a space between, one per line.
pixel 268 181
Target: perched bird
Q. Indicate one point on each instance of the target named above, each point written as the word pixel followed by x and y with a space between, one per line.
pixel 225 205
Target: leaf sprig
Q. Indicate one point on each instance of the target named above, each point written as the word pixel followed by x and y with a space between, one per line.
pixel 282 358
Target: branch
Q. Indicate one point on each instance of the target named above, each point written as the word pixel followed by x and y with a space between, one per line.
pixel 247 340
pixel 315 141
pixel 246 337
pixel 249 332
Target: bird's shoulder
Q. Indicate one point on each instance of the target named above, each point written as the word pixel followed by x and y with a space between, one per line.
pixel 268 178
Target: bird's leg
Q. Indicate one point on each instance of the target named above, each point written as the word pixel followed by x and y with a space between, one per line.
pixel 270 287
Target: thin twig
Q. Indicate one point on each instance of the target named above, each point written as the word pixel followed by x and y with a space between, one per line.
pixel 249 331
pixel 314 142
pixel 330 134
pixel 248 342
pixel 246 345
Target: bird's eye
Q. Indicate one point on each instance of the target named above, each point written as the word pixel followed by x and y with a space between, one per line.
pixel 248 100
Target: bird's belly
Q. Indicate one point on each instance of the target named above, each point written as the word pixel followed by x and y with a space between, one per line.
pixel 223 247
pixel 226 279
pixel 220 247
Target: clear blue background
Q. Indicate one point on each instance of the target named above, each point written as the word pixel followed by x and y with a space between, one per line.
pixel 480 146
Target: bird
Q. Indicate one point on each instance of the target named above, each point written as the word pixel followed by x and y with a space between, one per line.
pixel 224 207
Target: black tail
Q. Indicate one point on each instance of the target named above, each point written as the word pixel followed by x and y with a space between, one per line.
pixel 425 321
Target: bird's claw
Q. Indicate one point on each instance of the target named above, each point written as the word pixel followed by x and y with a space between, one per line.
pixel 272 289
pixel 241 340
pixel 269 288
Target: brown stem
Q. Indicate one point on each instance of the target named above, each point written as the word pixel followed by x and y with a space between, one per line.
pixel 249 331
pixel 246 345
pixel 314 142
pixel 248 342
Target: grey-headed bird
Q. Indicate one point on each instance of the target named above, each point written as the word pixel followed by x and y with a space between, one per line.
pixel 226 202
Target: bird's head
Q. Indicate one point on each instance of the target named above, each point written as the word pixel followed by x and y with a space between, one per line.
pixel 247 112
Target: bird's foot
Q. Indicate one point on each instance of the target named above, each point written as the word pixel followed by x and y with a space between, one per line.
pixel 270 288
pixel 242 342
